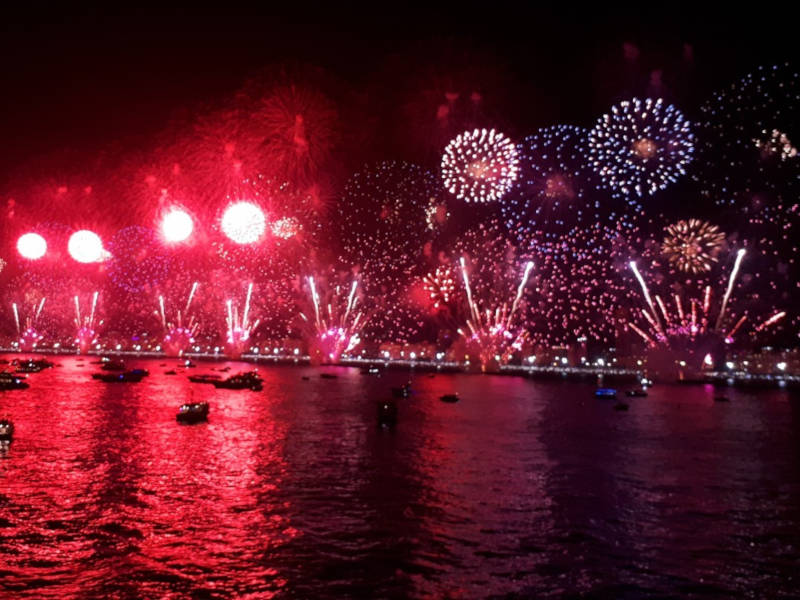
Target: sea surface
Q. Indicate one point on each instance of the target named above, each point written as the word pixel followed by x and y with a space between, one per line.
pixel 523 488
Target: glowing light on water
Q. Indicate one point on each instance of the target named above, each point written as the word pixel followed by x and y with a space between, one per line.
pixel 31 246
pixel 244 223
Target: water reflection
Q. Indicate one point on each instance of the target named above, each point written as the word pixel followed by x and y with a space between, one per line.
pixel 522 488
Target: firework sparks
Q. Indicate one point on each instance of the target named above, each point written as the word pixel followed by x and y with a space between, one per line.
pixel 692 246
pixel 440 286
pixel 641 146
pixel 480 166
pixel 337 324
pixel 239 329
pixel 27 334
pixel 85 335
pixel 179 336
pixel 492 333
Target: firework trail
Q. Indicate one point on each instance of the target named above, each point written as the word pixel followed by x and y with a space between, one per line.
pixel 178 336
pixel 85 335
pixel 337 324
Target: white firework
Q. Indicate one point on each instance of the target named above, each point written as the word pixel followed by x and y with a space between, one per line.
pixel 641 146
pixel 480 165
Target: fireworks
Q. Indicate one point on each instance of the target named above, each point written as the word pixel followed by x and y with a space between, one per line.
pixel 28 336
pixel 31 246
pixel 692 246
pixel 243 222
pixel 492 333
pixel 337 322
pixel 86 247
pixel 746 132
pixel 692 325
pixel 138 260
pixel 176 225
pixel 239 328
pixel 480 166
pixel 178 336
pixel 384 230
pixel 641 146
pixel 440 286
pixel 85 335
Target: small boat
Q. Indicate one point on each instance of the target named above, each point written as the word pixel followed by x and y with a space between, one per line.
pixel 32 365
pixel 113 365
pixel 371 370
pixel 605 393
pixel 189 364
pixel 6 430
pixel 328 376
pixel 127 377
pixel 171 372
pixel 142 372
pixel 10 381
pixel 204 378
pixel 403 391
pixel 305 378
pixel 620 406
pixel 640 393
pixel 721 399
pixel 241 381
pixel 192 412
pixel 387 413
pixel 450 398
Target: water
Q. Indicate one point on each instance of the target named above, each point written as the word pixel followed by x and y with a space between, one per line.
pixel 523 488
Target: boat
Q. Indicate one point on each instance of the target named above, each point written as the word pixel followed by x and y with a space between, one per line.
pixel 6 430
pixel 32 365
pixel 721 399
pixel 10 381
pixel 142 372
pixel 241 381
pixel 192 412
pixel 605 393
pixel 305 378
pixel 189 364
pixel 387 413
pixel 450 398
pixel 620 406
pixel 328 376
pixel 127 377
pixel 204 378
pixel 170 372
pixel 113 365
pixel 403 391
pixel 640 393
pixel 371 370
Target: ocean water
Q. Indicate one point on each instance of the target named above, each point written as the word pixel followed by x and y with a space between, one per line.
pixel 522 489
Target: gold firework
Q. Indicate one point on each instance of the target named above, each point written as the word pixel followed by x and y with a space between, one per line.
pixel 692 246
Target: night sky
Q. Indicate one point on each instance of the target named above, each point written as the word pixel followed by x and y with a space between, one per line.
pixel 83 82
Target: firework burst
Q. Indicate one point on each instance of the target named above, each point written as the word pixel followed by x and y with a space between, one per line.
pixel 697 325
pixel 178 336
pixel 494 333
pixel 692 246
pixel 641 146
pixel 480 166
pixel 238 328
pixel 85 335
pixel 336 324
pixel 28 336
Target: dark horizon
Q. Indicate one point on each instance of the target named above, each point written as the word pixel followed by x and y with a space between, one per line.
pixel 92 82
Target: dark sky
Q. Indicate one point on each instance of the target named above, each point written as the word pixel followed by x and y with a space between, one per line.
pixel 85 80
